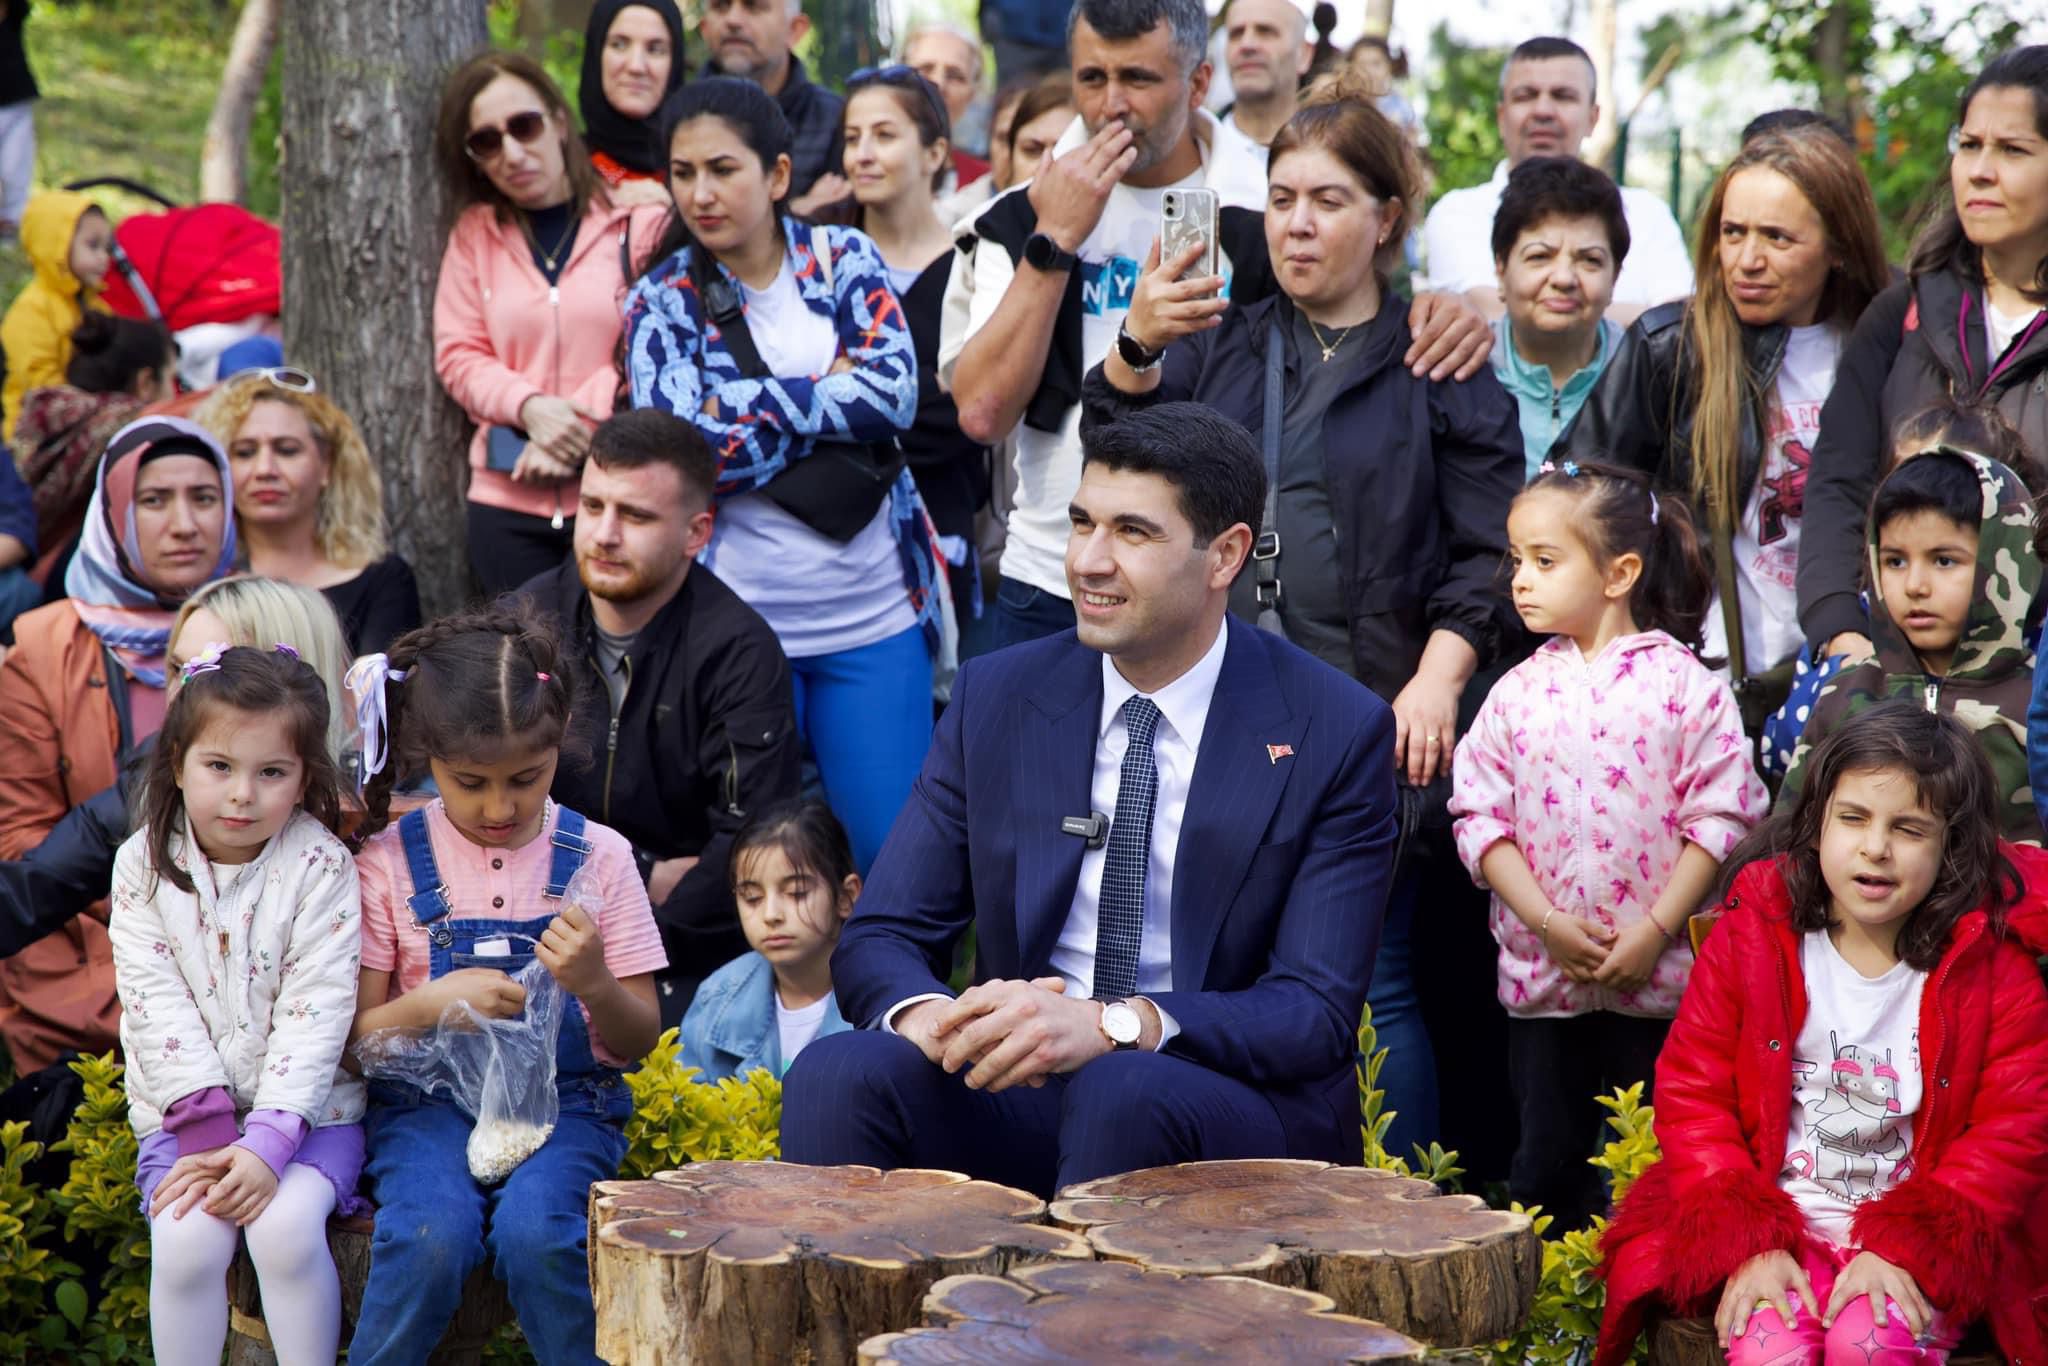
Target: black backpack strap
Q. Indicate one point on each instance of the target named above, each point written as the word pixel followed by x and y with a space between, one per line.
pixel 722 305
pixel 1266 549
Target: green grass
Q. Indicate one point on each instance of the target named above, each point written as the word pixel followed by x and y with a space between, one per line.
pixel 127 87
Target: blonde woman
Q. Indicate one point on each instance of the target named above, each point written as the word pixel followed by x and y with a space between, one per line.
pixel 73 865
pixel 1718 398
pixel 308 503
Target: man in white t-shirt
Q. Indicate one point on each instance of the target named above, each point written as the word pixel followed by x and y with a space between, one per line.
pixel 1044 277
pixel 1546 109
pixel 1267 48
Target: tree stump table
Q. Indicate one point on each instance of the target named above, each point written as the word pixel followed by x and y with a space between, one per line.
pixel 484 1310
pixel 1441 1268
pixel 721 1262
pixel 1071 1313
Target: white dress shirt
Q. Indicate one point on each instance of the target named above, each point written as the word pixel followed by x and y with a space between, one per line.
pixel 1183 715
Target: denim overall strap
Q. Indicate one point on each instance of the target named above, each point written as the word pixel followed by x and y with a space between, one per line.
pixel 571 848
pixel 429 899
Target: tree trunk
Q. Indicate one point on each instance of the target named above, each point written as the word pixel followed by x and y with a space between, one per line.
pixel 1600 146
pixel 1441 1268
pixel 776 1262
pixel 224 157
pixel 363 233
pixel 1085 1312
pixel 540 20
pixel 1831 59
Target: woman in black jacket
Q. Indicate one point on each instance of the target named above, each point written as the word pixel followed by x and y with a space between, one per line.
pixel 1967 324
pixel 1388 515
pixel 898 146
pixel 1719 398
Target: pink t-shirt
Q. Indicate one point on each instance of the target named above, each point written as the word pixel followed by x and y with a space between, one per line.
pixel 501 884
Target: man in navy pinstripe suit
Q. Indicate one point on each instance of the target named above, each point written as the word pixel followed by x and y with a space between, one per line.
pixel 1178 980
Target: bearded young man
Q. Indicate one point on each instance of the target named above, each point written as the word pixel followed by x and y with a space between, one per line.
pixel 683 694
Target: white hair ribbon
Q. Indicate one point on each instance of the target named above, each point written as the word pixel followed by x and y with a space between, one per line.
pixel 365 681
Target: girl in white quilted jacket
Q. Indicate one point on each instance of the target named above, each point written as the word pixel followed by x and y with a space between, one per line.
pixel 236 929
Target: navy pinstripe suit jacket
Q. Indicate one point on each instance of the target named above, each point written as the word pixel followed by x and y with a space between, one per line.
pixel 1279 882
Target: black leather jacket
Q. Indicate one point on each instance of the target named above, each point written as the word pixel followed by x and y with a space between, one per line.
pixel 706 735
pixel 1640 413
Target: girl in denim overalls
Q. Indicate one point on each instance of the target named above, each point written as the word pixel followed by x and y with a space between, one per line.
pixel 457 897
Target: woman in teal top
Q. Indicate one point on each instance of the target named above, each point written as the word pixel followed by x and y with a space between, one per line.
pixel 1558 242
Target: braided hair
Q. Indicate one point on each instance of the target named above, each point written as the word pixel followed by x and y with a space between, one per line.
pixel 464 683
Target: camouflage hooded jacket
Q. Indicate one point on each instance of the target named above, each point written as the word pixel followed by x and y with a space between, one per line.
pixel 1989 683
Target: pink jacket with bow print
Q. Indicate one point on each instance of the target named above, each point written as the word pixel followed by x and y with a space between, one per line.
pixel 1601 771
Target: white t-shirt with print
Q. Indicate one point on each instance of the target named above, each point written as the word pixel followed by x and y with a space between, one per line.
pixel 1856 1085
pixel 796 1027
pixel 819 596
pixel 1766 543
pixel 1049 463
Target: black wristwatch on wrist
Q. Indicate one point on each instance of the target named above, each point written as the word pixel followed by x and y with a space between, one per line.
pixel 1042 253
pixel 1134 352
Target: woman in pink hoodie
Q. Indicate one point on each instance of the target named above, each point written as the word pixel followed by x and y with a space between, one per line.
pixel 527 312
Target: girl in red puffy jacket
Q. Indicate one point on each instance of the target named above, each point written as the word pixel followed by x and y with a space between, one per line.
pixel 1853 1101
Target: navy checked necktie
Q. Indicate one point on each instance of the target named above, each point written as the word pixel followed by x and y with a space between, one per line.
pixel 1120 916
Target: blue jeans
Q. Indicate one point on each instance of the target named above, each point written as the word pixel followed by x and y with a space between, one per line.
pixel 1026 613
pixel 435 1224
pixel 867 714
pixel 1409 1077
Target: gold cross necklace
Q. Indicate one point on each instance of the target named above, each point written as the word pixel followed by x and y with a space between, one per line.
pixel 1329 348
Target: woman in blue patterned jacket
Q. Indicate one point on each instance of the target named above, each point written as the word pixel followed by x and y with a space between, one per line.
pixel 786 346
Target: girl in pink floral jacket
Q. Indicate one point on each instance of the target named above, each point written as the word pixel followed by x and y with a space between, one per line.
pixel 1598 790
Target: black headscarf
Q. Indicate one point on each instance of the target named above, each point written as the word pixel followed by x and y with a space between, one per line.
pixel 633 143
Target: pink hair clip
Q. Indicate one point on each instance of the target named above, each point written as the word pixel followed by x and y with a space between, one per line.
pixel 206 661
pixel 541 676
pixel 287 650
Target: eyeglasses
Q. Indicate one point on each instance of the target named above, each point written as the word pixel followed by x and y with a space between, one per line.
pixel 283 377
pixel 483 144
pixel 904 78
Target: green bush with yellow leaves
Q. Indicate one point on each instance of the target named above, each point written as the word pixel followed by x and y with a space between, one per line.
pixel 51 1312
pixel 1564 1323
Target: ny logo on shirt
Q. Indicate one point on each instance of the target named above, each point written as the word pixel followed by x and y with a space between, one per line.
pixel 1107 286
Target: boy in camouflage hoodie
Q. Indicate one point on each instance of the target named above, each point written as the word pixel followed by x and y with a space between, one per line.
pixel 1955 588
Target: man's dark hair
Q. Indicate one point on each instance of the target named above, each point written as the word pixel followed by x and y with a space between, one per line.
pixel 1781 120
pixel 1212 462
pixel 1122 20
pixel 1543 188
pixel 1542 50
pixel 650 436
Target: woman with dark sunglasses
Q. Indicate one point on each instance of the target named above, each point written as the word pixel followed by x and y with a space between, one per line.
pixel 527 309
pixel 898 142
